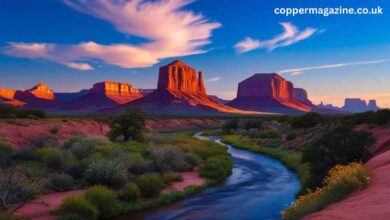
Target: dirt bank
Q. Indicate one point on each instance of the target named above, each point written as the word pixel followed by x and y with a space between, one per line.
pixel 21 132
pixel 374 201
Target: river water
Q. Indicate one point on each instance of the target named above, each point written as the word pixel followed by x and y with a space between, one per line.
pixel 259 188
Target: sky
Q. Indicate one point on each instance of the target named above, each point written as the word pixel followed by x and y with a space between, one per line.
pixel 72 44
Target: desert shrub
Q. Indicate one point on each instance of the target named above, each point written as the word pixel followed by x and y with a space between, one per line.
pixel 30 113
pixel 307 120
pixel 70 216
pixel 7 111
pixel 105 200
pixel 216 167
pixel 138 164
pixel 78 205
pixel 170 177
pixel 43 140
pixel 106 171
pixel 192 159
pixel 380 117
pixel 76 168
pixel 53 158
pixel 61 182
pixel 82 147
pixel 6 154
pixel 252 124
pixel 131 193
pixel 340 182
pixel 17 187
pixel 150 185
pixel 229 125
pixel 128 125
pixel 8 216
pixel 54 130
pixel 342 145
pixel 167 159
pixel 25 153
pixel 291 136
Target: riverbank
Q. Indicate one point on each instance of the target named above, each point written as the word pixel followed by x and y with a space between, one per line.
pixel 292 159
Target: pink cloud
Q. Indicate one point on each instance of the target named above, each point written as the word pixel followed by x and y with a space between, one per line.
pixel 170 31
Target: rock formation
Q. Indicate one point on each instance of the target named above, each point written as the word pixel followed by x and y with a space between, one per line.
pixel 359 105
pixel 39 96
pixel 180 90
pixel 103 95
pixel 301 95
pixel 42 91
pixel 268 92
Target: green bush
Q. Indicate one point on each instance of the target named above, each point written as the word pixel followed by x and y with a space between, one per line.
pixel 43 140
pixel 25 153
pixel 77 168
pixel 53 158
pixel 128 125
pixel 307 120
pixel 7 216
pixel 192 159
pixel 229 125
pixel 131 193
pixel 340 182
pixel 216 167
pixel 170 177
pixel 291 136
pixel 150 185
pixel 78 205
pixel 252 124
pixel 168 159
pixel 30 113
pixel 106 171
pixel 105 200
pixel 70 216
pixel 61 182
pixel 81 147
pixel 138 164
pixel 6 154
pixel 342 145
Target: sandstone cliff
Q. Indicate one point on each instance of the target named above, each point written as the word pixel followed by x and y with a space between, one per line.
pixel 268 92
pixel 103 95
pixel 180 90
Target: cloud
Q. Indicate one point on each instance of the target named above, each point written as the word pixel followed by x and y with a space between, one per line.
pixel 169 31
pixel 298 71
pixel 247 44
pixel 80 66
pixel 291 35
pixel 214 79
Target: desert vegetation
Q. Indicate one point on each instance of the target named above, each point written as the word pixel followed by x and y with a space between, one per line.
pixel 120 174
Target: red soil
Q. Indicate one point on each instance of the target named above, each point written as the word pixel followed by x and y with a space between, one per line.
pixel 39 209
pixel 21 132
pixel 189 179
pixel 372 202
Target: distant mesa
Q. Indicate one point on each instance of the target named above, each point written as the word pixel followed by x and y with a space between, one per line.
pixel 102 95
pixel 180 90
pixel 218 99
pixel 272 93
pixel 355 105
pixel 39 96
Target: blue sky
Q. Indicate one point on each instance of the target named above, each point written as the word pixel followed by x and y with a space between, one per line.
pixel 70 46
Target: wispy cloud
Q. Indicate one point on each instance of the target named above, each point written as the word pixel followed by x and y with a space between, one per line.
pixel 170 31
pixel 298 71
pixel 214 79
pixel 291 35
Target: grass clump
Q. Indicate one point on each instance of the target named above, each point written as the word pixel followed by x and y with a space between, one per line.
pixel 217 167
pixel 150 185
pixel 104 199
pixel 78 206
pixel 61 182
pixel 340 182
pixel 131 193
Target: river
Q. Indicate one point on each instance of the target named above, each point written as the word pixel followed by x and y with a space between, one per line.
pixel 259 188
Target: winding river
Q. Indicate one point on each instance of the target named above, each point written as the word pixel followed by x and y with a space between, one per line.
pixel 259 188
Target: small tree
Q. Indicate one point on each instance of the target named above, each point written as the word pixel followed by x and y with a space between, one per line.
pixel 229 125
pixel 130 124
